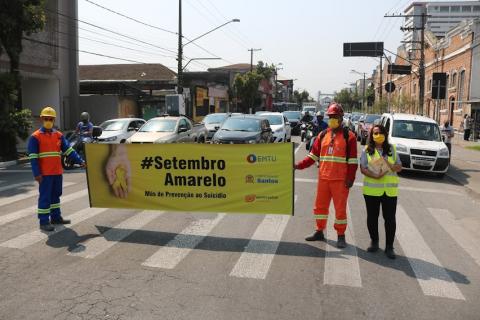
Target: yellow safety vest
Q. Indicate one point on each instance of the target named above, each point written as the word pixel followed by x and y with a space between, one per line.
pixel 387 184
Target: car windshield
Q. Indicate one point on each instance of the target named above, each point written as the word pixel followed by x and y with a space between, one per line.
pixel 293 115
pixel 241 124
pixel 371 118
pixel 160 125
pixel 309 109
pixel 356 117
pixel 214 118
pixel 273 119
pixel 416 130
pixel 113 125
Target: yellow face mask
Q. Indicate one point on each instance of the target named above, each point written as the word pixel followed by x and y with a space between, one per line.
pixel 333 123
pixel 379 138
pixel 48 124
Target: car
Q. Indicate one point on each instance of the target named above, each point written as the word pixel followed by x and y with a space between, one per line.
pixel 169 129
pixel 354 122
pixel 282 132
pixel 119 130
pixel 310 109
pixel 259 113
pixel 213 121
pixel 294 118
pixel 364 126
pixel 243 129
pixel 418 141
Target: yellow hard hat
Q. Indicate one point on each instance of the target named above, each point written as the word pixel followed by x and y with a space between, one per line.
pixel 48 112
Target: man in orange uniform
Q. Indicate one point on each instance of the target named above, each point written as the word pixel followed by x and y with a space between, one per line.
pixel 336 150
pixel 44 150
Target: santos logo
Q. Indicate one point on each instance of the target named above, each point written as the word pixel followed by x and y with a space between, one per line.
pixel 252 158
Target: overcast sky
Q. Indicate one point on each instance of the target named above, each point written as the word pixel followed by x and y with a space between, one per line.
pixel 306 36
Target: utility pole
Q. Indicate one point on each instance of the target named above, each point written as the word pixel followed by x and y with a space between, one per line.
pixel 363 99
pixel 380 93
pixel 421 67
pixel 251 57
pixel 180 50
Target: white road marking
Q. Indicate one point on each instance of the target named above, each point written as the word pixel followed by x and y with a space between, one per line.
pixel 257 258
pixel 341 265
pixel 299 146
pixel 432 277
pixel 96 246
pixel 33 209
pixel 35 236
pixel 169 256
pixel 360 184
pixel 458 233
pixel 25 195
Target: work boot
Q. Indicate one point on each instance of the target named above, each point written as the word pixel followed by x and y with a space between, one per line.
pixel 373 246
pixel 341 243
pixel 390 253
pixel 47 227
pixel 60 221
pixel 316 236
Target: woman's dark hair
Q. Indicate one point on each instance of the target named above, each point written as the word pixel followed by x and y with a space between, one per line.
pixel 371 144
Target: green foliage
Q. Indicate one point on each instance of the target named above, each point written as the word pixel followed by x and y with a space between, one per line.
pixel 347 99
pixel 380 106
pixel 301 97
pixel 246 85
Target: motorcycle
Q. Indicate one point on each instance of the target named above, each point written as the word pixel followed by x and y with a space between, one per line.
pixel 77 142
pixel 309 135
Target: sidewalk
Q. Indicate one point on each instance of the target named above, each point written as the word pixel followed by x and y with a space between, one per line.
pixel 465 164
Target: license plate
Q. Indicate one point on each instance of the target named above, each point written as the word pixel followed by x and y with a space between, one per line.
pixel 424 163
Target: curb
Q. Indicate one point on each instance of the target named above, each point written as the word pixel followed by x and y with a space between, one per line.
pixel 7 164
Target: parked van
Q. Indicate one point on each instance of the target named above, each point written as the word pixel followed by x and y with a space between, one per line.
pixel 418 141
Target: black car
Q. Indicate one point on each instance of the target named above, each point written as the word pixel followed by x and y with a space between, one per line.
pixel 294 119
pixel 244 129
pixel 213 121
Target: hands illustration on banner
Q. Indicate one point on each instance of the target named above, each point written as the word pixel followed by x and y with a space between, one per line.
pixel 118 171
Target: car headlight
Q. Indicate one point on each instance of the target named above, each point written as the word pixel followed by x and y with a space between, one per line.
pixel 252 141
pixel 443 152
pixel 110 139
pixel 402 148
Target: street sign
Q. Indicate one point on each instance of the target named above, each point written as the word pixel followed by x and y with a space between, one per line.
pixel 363 49
pixel 399 69
pixel 390 86
pixel 439 85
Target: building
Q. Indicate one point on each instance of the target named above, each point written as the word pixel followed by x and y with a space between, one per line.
pixel 458 55
pixel 442 16
pixel 48 65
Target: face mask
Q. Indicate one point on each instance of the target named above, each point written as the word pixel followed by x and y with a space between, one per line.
pixel 380 138
pixel 48 124
pixel 333 123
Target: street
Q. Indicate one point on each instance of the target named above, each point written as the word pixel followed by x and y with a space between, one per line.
pixel 124 264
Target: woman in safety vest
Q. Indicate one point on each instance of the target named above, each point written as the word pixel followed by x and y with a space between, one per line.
pixel 380 163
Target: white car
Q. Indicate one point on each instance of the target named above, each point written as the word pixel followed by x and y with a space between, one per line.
pixel 419 142
pixel 119 130
pixel 281 129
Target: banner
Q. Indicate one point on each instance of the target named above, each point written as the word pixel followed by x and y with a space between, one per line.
pixel 250 178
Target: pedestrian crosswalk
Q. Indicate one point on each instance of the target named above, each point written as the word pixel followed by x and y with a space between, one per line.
pixel 254 261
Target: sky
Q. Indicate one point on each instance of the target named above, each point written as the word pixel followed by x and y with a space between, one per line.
pixel 305 36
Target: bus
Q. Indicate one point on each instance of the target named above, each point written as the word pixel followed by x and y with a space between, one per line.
pixel 285 106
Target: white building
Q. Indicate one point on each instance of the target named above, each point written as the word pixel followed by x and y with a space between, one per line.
pixel 442 16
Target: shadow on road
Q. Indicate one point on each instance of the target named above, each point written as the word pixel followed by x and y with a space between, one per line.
pixel 295 249
pixel 70 239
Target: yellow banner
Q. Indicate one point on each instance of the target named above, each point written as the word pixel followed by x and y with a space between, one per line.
pixel 192 177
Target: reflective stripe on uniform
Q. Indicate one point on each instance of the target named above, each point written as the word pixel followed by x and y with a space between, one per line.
pixel 353 161
pixel 321 216
pixel 68 151
pixel 49 154
pixel 340 221
pixel 43 211
pixel 388 184
pixel 55 206
pixel 313 157
pixel 33 156
pixel 333 159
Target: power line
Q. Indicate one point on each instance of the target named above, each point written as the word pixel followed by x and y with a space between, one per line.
pixel 130 18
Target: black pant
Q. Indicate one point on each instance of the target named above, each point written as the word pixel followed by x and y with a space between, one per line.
pixel 466 134
pixel 389 209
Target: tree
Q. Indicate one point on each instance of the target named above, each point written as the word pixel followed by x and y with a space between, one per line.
pixel 17 18
pixel 346 98
pixel 300 97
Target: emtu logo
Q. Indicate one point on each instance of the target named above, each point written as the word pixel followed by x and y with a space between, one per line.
pixel 251 158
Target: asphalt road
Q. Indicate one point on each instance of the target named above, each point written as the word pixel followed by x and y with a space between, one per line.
pixel 124 264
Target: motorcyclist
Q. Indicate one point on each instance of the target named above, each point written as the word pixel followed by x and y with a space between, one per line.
pixel 306 118
pixel 319 124
pixel 84 127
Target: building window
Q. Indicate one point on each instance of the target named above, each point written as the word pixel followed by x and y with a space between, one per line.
pixel 453 83
pixel 455 9
pixel 414 88
pixel 466 9
pixel 444 9
pixel 430 85
pixel 476 8
pixel 448 79
pixel 461 83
